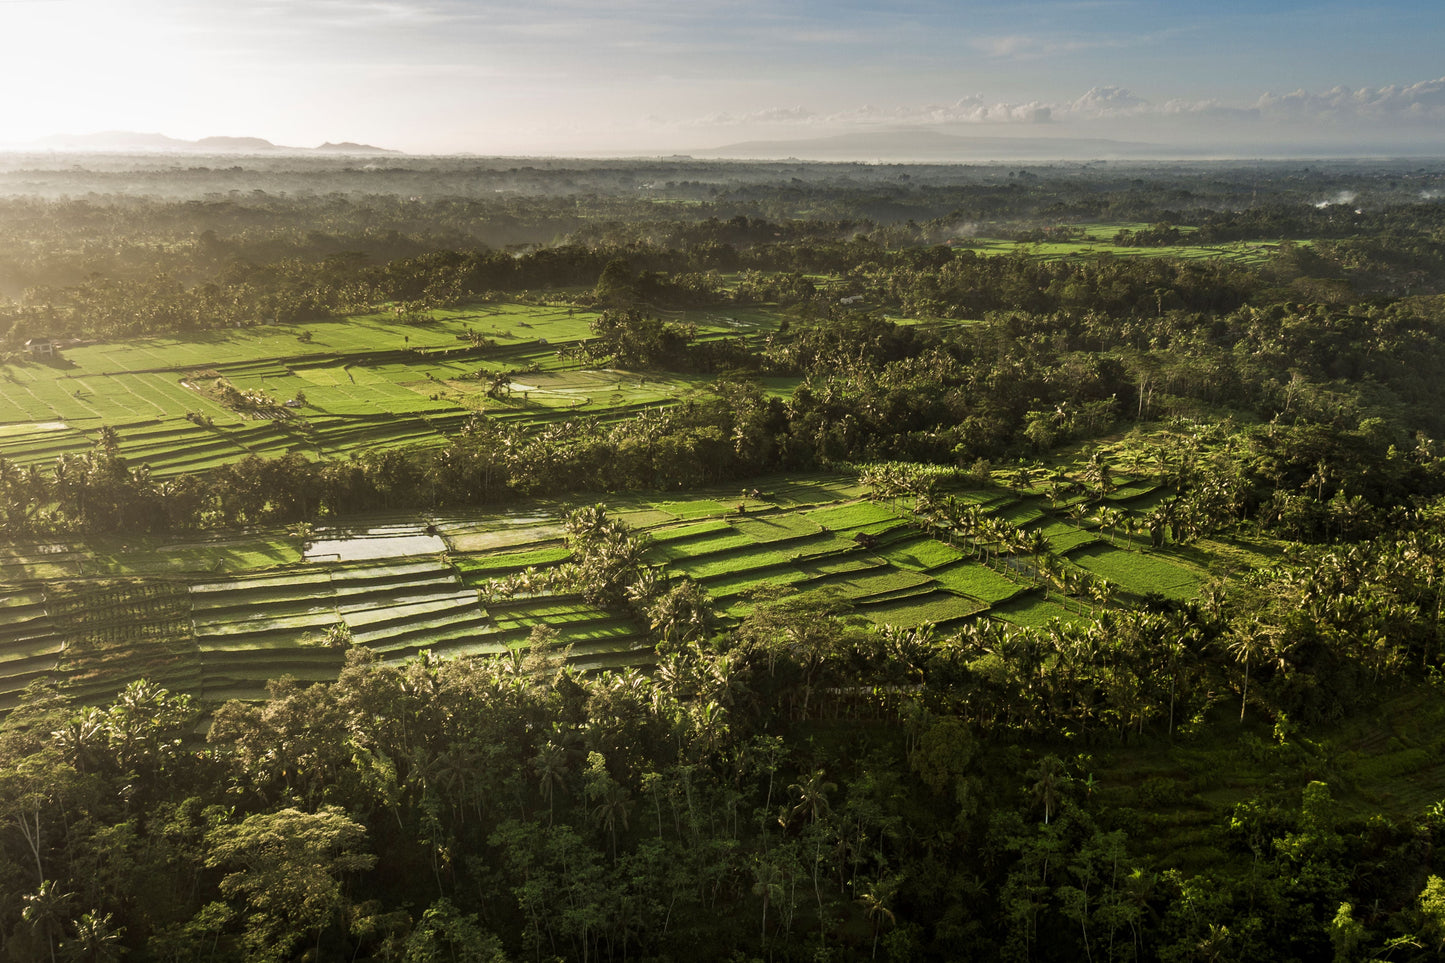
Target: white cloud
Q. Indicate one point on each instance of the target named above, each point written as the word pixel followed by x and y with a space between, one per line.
pixel 770 115
pixel 1420 102
pixel 1106 101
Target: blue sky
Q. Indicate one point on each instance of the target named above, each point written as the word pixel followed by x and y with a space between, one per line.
pixel 562 76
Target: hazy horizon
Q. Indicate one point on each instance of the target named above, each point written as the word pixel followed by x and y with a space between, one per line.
pixel 640 77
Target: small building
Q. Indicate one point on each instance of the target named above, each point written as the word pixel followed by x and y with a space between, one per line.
pixel 40 348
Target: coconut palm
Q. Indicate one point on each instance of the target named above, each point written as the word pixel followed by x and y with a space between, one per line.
pixel 46 909
pixel 812 792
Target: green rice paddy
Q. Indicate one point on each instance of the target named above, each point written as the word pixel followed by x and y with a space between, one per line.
pixel 237 611
pixel 368 382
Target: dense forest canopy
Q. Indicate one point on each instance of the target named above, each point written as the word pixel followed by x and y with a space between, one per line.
pixel 1243 772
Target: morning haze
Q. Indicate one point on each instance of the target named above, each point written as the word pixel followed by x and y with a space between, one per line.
pixel 872 80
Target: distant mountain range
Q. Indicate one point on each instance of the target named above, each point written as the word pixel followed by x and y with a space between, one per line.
pixel 130 141
pixel 916 144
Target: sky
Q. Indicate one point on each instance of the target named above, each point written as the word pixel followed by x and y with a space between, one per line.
pixel 1241 77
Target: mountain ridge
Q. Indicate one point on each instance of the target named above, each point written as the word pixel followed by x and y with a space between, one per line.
pixel 147 142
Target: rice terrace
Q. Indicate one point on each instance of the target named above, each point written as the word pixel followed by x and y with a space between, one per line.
pixel 402 584
pixel 422 558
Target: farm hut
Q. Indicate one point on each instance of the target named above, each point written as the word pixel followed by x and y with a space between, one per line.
pixel 40 347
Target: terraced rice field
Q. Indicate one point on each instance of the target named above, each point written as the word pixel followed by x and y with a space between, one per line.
pixel 219 618
pixel 29 644
pixel 368 382
pixel 1140 572
pixel 1033 610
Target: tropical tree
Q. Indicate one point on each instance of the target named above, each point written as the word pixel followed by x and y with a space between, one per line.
pixel 287 867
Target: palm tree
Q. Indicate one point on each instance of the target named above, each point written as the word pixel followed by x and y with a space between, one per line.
pixel 813 796
pixel 1049 777
pixel 45 909
pixel 550 767
pixel 875 899
pixel 95 940
pixel 1248 645
pixel 611 811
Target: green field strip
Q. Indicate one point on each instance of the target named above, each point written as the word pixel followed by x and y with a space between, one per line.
pixel 143 400
pixel 158 433
pixel 59 398
pixel 15 403
pixel 42 641
pixel 239 692
pixel 1068 542
pixel 201 590
pixel 823 549
pixel 730 562
pixel 731 585
pixel 295 605
pixel 556 615
pixel 16 672
pixel 471 648
pixel 905 593
pixel 261 640
pixel 939 608
pixel 623 659
pixel 1147 501
pixel 1139 572
pixel 399 630
pixel 979 581
pixel 299 624
pixel 180 447
pixel 814 489
pixel 250 686
pixel 350 590
pixel 840 563
pixel 682 533
pixel 481 543
pixel 1032 611
pixel 432 581
pixel 23 635
pixel 108 393
pixel 1132 490
pixel 403 610
pixel 877 581
pixel 10 698
pixel 694 508
pixel 697 547
pixel 643 518
pixel 383 571
pixel 191 460
pixel 99 691
pixel 1021 513
pixel 805 545
pixel 627 651
pixel 852 516
pixel 481 568
pixel 774 526
pixel 424 635
pixel 921 553
pixel 589 635
pixel 167 390
pixel 988 499
pixel 17 602
pixel 19 613
pixel 22 441
pixel 261 664
pixel 23 405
